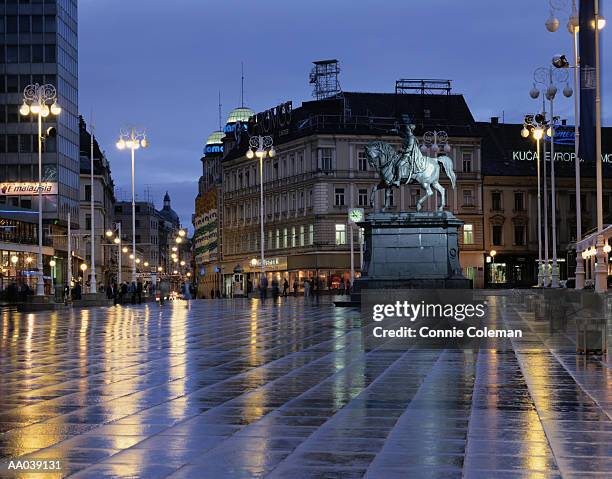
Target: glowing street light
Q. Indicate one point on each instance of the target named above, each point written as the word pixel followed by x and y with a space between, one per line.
pixel 36 99
pixel 261 146
pixel 133 140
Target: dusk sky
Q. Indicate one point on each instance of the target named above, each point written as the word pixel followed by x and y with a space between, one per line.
pixel 160 65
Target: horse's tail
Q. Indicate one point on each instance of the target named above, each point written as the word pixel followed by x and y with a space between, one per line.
pixel 447 162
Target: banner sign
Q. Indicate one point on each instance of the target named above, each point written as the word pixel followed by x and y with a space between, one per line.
pixel 27 188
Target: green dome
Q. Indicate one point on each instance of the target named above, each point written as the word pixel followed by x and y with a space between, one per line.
pixel 215 138
pixel 240 114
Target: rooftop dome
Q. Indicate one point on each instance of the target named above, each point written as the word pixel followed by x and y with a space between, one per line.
pixel 215 138
pixel 240 114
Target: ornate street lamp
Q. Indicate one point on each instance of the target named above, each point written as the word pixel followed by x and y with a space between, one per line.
pixel 535 125
pixel 40 100
pixel 549 78
pixel 133 140
pixel 261 146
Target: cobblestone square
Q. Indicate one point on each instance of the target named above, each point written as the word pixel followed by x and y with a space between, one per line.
pixel 237 389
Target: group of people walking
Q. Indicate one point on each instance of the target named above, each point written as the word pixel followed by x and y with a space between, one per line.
pixel 126 292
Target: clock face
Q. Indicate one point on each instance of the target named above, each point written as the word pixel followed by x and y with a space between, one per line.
pixel 356 215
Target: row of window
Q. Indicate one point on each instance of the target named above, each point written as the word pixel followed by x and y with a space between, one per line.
pixel 28 54
pixel 25 144
pixel 363 197
pixel 17 83
pixel 497 201
pixel 520 235
pixel 285 203
pixel 293 237
pixel 27 24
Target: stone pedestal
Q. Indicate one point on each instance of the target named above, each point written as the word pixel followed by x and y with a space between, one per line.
pixel 411 250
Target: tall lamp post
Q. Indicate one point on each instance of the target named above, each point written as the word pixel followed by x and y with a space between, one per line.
pixel 534 125
pixel 552 24
pixel 549 78
pixel 261 146
pixel 40 100
pixel 559 61
pixel 133 140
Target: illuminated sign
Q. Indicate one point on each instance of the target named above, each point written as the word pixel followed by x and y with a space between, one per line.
pixel 274 118
pixel 213 150
pixel 560 156
pixel 27 188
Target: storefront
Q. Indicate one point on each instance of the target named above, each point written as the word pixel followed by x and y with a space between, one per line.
pixel 332 270
pixel 512 271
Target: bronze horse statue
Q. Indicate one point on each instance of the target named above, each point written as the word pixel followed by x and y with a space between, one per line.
pixel 410 164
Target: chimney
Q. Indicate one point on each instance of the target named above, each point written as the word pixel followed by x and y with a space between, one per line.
pixel 494 120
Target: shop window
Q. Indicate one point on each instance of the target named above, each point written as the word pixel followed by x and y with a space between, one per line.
pixel 340 234
pixel 468 234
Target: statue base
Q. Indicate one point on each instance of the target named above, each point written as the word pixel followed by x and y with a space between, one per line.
pixel 411 250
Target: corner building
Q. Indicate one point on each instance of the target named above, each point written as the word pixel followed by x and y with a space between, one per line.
pixel 320 170
pixel 39 45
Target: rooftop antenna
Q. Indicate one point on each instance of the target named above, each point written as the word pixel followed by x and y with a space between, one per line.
pixel 242 84
pixel 220 129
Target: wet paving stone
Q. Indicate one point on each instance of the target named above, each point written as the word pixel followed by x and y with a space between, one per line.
pixel 237 389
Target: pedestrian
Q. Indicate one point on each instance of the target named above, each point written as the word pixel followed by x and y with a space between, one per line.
pixel 263 288
pixel 275 289
pixel 306 288
pixel 295 287
pixel 133 291
pixel 124 292
pixel 139 291
pixel 218 294
pixel 285 287
pixel 115 293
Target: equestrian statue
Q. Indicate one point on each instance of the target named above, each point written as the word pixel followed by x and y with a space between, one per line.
pixel 410 164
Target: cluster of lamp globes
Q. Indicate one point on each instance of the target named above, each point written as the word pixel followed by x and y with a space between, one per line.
pixel 132 143
pixel 592 251
pixel 434 149
pixel 573 24
pixel 41 109
pixel 260 153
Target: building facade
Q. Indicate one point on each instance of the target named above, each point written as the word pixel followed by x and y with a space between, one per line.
pixel 206 244
pixel 104 208
pixel 39 45
pixel 147 237
pixel 320 171
pixel 510 192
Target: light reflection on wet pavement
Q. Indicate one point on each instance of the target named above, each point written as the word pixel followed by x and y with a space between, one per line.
pixel 235 389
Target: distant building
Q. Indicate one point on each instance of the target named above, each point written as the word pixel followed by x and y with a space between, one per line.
pixel 147 236
pixel 206 244
pixel 104 207
pixel 320 170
